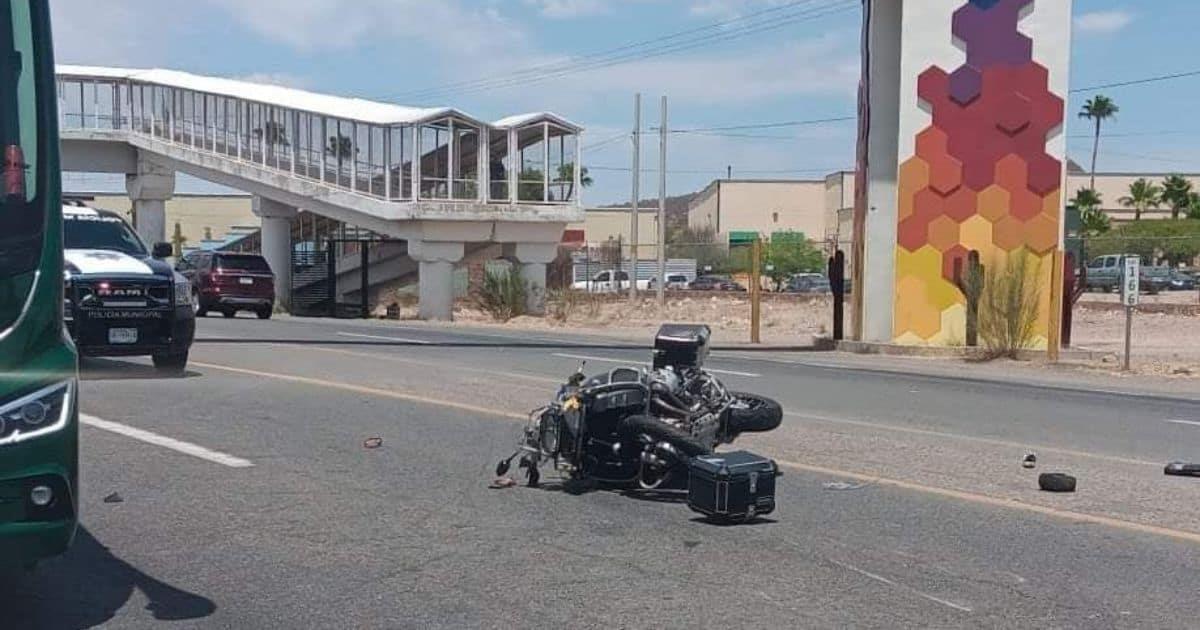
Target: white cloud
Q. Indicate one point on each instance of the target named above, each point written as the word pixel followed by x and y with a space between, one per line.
pixel 729 8
pixel 824 66
pixel 315 25
pixel 1103 22
pixel 565 9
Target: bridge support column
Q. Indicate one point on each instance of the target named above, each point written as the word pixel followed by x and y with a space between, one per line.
pixel 436 277
pixel 533 258
pixel 149 189
pixel 277 244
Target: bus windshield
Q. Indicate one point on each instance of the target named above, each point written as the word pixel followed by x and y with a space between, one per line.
pixel 22 219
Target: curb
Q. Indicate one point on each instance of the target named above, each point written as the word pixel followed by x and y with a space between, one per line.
pixel 958 352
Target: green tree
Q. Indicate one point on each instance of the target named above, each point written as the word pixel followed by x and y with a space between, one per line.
pixel 790 253
pixel 1099 109
pixel 1177 193
pixel 566 175
pixel 1142 196
pixel 1174 242
pixel 1194 209
pixel 341 147
pixel 1092 219
pixel 699 243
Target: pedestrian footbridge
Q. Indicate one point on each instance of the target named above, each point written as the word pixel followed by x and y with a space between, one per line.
pixel 438 178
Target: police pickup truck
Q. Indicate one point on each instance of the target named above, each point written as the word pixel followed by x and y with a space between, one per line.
pixel 120 299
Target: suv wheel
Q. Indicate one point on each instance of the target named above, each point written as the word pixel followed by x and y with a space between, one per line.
pixel 265 312
pixel 171 363
pixel 197 306
pixel 229 313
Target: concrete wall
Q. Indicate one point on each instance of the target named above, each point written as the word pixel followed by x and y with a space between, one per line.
pixel 763 206
pixel 194 213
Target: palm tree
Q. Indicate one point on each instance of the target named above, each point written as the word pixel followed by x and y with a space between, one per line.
pixel 1092 218
pixel 1142 196
pixel 1177 193
pixel 566 174
pixel 1194 208
pixel 1099 108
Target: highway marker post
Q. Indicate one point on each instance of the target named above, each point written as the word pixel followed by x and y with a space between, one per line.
pixel 1130 292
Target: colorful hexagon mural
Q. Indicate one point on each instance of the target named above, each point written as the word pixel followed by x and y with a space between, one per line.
pixel 981 177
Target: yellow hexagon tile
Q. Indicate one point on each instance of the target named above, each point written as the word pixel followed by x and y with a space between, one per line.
pixel 976 233
pixel 1041 233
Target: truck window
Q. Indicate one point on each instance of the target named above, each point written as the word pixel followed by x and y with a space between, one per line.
pixel 101 232
pixel 622 276
pixel 1110 261
pixel 602 276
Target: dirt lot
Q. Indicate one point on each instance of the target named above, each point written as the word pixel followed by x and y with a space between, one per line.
pixel 1164 343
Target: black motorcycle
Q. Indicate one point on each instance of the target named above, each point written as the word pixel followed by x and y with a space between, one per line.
pixel 640 428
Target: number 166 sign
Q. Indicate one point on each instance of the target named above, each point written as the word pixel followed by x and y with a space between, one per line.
pixel 1130 286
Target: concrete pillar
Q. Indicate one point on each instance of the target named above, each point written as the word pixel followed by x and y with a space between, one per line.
pixel 277 244
pixel 149 188
pixel 964 113
pixel 533 258
pixel 436 277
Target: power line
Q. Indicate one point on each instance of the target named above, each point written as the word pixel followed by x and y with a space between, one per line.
pixel 770 125
pixel 606 141
pixel 534 70
pixel 1156 79
pixel 743 31
pixel 625 169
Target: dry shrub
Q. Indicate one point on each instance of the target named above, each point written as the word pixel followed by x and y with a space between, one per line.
pixel 503 294
pixel 1008 310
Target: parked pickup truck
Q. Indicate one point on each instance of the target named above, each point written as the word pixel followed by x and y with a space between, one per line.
pixel 610 281
pixel 1104 274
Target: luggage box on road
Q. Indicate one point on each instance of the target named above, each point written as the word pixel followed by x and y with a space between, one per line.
pixel 736 486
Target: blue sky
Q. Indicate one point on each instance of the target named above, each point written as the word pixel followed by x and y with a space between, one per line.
pixel 804 68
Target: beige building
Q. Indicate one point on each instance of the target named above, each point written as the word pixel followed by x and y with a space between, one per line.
pixel 199 215
pixel 733 206
pixel 1114 186
pixel 602 224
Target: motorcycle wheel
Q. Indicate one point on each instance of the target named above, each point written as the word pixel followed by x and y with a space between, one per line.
pixel 755 414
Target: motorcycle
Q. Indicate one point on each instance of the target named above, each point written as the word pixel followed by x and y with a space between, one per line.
pixel 639 428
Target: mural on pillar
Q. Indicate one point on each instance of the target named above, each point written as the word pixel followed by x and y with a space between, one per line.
pixel 981 177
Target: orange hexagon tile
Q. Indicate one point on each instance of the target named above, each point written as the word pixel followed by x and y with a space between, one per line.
pixel 976 233
pixel 1042 234
pixel 1011 173
pixel 943 233
pixel 993 203
pixel 1008 233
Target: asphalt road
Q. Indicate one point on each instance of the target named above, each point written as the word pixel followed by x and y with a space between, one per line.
pixel 247 498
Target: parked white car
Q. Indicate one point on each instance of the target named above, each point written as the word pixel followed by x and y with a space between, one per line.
pixel 609 281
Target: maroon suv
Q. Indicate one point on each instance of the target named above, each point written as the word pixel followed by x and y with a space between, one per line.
pixel 228 282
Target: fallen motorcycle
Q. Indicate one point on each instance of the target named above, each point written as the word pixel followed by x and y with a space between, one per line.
pixel 656 429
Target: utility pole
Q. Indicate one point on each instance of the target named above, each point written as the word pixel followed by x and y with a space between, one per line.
pixel 637 180
pixel 729 172
pixel 660 284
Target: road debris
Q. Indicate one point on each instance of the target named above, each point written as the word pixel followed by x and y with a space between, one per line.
pixel 1182 469
pixel 1056 482
pixel 501 483
pixel 1030 461
pixel 114 498
pixel 374 442
pixel 844 485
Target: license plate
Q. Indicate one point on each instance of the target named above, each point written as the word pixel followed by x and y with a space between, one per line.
pixel 246 280
pixel 122 335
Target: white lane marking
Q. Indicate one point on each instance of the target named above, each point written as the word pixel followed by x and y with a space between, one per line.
pixel 582 357
pixel 880 578
pixel 421 342
pixel 1189 422
pixel 187 448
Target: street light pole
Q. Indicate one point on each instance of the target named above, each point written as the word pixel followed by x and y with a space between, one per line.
pixel 660 284
pixel 637 180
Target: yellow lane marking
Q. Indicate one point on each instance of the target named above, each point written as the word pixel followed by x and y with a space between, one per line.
pixel 1014 504
pixel 1017 504
pixel 371 391
pixel 970 438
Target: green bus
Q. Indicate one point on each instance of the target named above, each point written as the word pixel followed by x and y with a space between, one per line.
pixel 39 424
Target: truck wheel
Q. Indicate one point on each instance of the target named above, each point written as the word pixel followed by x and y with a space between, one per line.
pixel 197 305
pixel 264 312
pixel 229 313
pixel 171 363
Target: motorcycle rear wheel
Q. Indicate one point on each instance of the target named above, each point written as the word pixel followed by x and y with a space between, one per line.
pixel 754 414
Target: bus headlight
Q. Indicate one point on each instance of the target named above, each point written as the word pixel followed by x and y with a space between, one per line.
pixel 183 291
pixel 39 413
